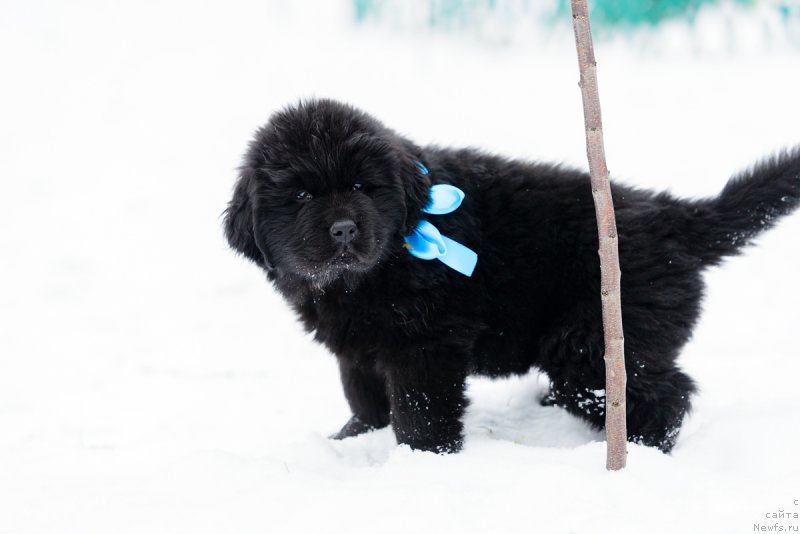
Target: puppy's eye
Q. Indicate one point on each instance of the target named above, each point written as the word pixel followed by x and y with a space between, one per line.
pixel 358 187
pixel 303 195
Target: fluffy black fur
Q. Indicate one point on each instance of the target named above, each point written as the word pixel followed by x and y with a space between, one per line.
pixel 407 332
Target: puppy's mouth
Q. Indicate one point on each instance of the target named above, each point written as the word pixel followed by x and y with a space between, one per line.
pixel 323 262
pixel 349 258
pixel 344 259
pixel 343 263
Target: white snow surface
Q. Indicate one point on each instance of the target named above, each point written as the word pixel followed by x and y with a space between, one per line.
pixel 152 382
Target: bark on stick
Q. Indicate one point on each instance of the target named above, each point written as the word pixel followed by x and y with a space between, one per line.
pixel 607 232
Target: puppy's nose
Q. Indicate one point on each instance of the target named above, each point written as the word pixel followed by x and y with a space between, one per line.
pixel 343 231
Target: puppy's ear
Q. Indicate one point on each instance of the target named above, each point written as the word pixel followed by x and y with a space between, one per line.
pixel 416 184
pixel 239 222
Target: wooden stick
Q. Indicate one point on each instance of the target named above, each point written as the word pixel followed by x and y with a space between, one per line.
pixel 616 377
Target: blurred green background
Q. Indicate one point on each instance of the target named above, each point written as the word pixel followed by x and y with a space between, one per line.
pixel 609 17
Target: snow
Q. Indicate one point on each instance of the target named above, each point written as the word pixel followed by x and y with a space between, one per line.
pixel 151 381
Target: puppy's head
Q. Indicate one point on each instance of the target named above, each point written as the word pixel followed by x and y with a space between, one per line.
pixel 324 190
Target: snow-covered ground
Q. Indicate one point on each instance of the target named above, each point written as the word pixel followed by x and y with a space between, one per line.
pixel 151 381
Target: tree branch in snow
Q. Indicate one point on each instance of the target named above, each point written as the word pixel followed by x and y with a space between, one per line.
pixel 607 232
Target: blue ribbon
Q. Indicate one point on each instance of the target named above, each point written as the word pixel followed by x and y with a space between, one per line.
pixel 427 243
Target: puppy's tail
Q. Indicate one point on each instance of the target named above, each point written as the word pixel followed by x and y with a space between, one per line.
pixel 750 203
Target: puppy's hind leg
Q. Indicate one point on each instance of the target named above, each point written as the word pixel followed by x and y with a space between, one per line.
pixel 365 391
pixel 656 400
pixel 657 393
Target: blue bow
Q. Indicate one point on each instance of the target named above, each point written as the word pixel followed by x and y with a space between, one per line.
pixel 426 243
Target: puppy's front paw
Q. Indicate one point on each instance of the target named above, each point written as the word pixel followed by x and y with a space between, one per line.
pixel 451 447
pixel 353 427
pixel 439 442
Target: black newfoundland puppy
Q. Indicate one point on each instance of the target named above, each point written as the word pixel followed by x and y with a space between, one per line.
pixel 328 201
